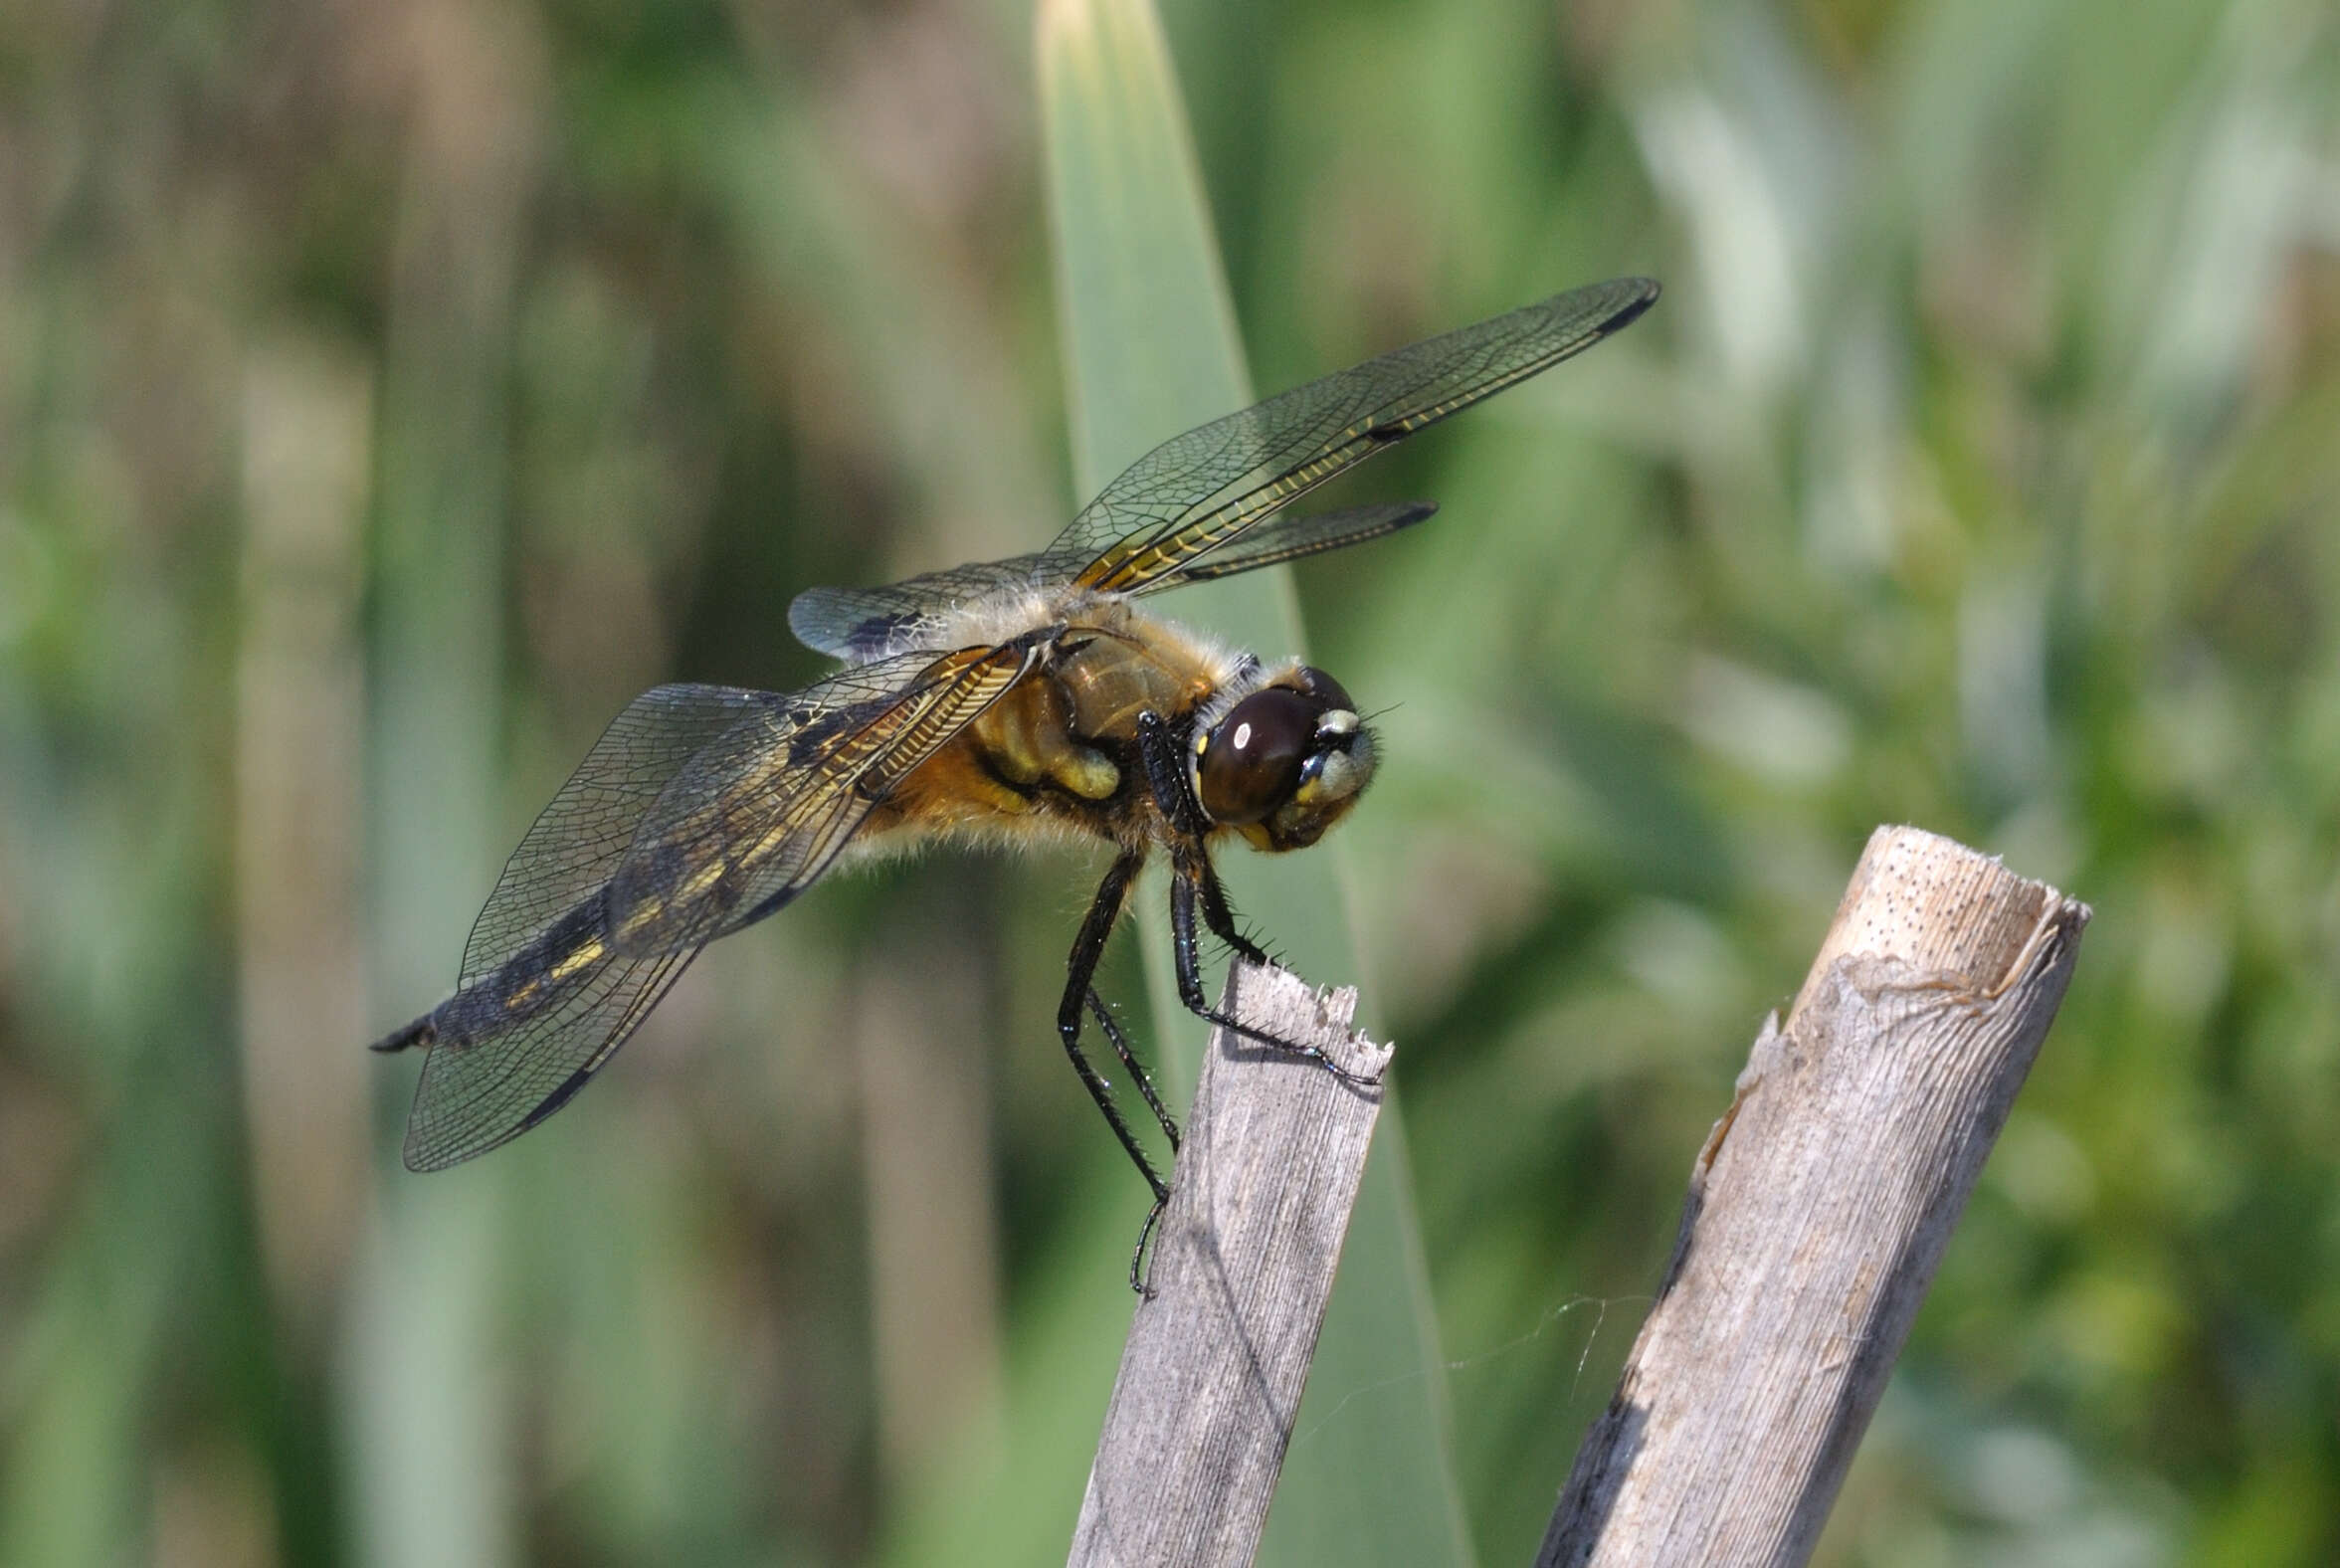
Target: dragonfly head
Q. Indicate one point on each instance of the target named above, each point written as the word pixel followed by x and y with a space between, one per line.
pixel 1284 761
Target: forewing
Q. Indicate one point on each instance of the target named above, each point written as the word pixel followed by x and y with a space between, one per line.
pixel 577 840
pixel 759 814
pixel 1287 538
pixel 1201 491
pixel 863 624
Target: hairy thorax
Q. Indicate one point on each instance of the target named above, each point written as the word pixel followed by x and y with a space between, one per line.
pixel 1058 753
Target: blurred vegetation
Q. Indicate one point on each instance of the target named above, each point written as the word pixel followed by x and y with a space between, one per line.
pixel 389 391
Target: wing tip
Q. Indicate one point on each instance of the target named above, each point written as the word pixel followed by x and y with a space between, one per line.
pixel 1640 294
pixel 805 623
pixel 417 1154
pixel 422 1157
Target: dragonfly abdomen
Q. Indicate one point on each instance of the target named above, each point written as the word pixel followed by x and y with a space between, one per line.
pixel 549 971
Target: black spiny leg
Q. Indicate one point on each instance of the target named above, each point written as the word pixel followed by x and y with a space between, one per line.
pixel 1220 919
pixel 1087 948
pixel 1191 881
pixel 1157 748
pixel 1146 1084
pixel 1104 911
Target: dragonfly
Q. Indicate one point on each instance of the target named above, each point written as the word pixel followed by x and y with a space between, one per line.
pixel 1032 699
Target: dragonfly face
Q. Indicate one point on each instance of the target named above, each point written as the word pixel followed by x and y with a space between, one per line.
pixel 1031 697
pixel 1284 763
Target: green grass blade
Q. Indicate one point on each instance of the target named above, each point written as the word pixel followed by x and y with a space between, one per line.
pixel 431 1464
pixel 1151 349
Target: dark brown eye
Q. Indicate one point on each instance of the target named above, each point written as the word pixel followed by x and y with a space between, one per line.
pixel 1318 685
pixel 1251 764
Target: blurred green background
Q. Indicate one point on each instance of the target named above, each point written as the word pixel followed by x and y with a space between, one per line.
pixel 389 391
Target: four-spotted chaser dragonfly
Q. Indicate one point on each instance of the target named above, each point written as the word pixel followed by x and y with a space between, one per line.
pixel 979 704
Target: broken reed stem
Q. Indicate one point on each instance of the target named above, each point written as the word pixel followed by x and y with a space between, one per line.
pixel 1818 1212
pixel 1243 1264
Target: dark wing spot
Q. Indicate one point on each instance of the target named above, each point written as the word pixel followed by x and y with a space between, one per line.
pixel 557 1098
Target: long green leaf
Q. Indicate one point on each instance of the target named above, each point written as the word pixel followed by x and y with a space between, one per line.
pixel 1151 349
pixel 430 1431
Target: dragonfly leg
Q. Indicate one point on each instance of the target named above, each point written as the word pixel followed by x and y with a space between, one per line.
pixel 1189 878
pixel 1220 918
pixel 1174 795
pixel 1138 1271
pixel 1158 747
pixel 1104 911
pixel 1146 1084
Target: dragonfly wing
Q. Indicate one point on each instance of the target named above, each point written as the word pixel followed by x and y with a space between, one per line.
pixel 1288 538
pixel 863 624
pixel 759 814
pixel 501 1062
pixel 578 839
pixel 538 1007
pixel 547 994
pixel 1201 491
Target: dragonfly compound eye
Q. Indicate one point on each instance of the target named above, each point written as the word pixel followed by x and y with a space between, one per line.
pixel 1331 695
pixel 1251 763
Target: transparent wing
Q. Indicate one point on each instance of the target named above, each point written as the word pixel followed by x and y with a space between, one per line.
pixel 496 1070
pixel 1287 538
pixel 761 812
pixel 576 842
pixel 1195 494
pixel 1201 491
pixel 861 624
pixel 549 991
